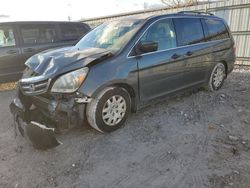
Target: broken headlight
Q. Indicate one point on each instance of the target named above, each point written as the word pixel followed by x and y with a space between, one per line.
pixel 70 82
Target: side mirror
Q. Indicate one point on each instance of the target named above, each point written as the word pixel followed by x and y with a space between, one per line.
pixel 147 46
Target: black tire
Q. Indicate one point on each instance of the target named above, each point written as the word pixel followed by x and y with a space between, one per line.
pixel 216 81
pixel 95 109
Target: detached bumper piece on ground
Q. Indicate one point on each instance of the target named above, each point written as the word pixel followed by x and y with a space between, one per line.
pixel 41 136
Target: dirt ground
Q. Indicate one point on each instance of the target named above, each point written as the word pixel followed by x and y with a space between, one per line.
pixel 198 139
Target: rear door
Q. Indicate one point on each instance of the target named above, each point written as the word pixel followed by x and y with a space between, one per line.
pixel 37 37
pixel 191 43
pixel 11 59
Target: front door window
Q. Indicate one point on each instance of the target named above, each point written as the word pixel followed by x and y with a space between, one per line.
pixel 162 32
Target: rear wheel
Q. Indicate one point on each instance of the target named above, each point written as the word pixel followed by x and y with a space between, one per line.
pixel 217 77
pixel 109 110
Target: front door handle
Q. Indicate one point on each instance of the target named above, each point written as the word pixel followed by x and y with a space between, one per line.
pixel 189 53
pixel 29 50
pixel 175 56
pixel 12 52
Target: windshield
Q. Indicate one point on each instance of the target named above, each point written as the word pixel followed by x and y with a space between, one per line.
pixel 111 35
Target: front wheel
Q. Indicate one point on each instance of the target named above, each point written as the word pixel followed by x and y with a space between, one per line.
pixel 217 77
pixel 109 109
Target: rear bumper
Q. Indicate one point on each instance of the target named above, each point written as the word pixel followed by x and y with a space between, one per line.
pixel 230 65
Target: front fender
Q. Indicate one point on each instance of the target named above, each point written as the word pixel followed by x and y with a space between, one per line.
pixel 111 73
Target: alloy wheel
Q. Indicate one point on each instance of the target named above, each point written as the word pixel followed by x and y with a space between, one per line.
pixel 114 110
pixel 219 76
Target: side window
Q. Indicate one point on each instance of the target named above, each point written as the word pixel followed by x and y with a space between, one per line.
pixel 161 32
pixel 7 38
pixel 72 32
pixel 189 31
pixel 216 30
pixel 39 34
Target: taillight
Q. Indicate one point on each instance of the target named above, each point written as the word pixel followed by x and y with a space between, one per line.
pixel 234 50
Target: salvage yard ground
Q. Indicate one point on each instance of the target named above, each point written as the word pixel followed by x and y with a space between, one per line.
pixel 197 139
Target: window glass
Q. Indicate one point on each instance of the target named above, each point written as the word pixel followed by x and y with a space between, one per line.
pixel 72 32
pixel 189 31
pixel 38 34
pixel 7 37
pixel 163 33
pixel 216 30
pixel 112 35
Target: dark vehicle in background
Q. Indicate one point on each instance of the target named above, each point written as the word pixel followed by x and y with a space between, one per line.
pixel 118 67
pixel 21 40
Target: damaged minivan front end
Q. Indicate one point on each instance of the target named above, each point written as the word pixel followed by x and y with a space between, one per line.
pixel 48 101
pixel 65 87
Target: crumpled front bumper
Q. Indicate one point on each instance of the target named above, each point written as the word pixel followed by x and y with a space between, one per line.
pixel 41 136
pixel 40 117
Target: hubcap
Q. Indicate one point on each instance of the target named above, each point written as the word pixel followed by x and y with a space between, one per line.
pixel 114 110
pixel 219 76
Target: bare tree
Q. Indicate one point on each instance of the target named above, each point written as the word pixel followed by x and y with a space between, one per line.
pixel 178 3
pixel 4 16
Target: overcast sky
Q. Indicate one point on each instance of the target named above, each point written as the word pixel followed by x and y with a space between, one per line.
pixel 19 10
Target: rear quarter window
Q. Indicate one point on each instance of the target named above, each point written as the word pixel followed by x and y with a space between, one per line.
pixel 189 31
pixel 216 30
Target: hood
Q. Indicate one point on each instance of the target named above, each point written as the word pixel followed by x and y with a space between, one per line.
pixel 56 61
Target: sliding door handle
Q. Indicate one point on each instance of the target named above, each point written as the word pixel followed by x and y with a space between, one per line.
pixel 29 50
pixel 175 56
pixel 189 53
pixel 12 52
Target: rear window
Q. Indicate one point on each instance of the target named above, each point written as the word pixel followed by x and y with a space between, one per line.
pixel 189 31
pixel 216 30
pixel 72 32
pixel 38 34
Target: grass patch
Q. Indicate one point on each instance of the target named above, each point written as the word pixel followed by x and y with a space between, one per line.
pixel 8 86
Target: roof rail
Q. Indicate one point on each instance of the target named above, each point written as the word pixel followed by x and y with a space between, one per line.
pixel 195 12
